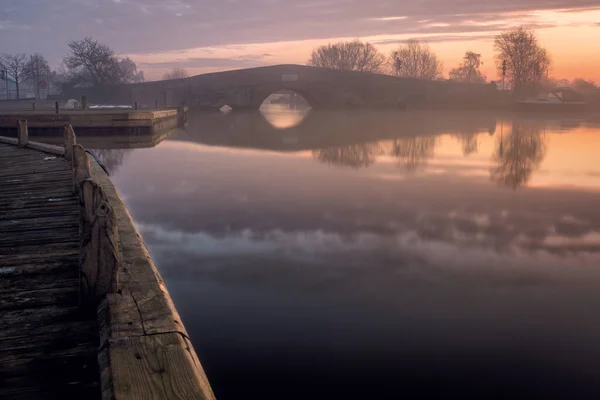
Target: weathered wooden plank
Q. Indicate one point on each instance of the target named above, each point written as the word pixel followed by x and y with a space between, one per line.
pixel 99 257
pixel 41 268
pixel 28 203
pixel 69 142
pixel 23 136
pixel 157 366
pixel 48 211
pixel 34 168
pixel 57 252
pixel 55 177
pixel 46 148
pixel 18 283
pixel 38 223
pixel 81 167
pixel 39 298
pixel 39 237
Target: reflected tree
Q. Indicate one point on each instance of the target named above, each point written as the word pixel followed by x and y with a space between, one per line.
pixel 413 152
pixel 518 155
pixel 469 142
pixel 112 159
pixel 354 156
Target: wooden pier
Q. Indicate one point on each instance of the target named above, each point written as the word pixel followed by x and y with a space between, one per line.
pixel 126 121
pixel 84 312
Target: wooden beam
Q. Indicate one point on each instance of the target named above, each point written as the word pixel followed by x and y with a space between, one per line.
pixel 81 166
pixel 23 134
pixel 162 366
pixel 69 142
pixel 99 251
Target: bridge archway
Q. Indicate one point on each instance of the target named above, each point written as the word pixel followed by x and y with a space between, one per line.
pixel 287 95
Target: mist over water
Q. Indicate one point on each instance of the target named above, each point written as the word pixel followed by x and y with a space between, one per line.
pixel 379 254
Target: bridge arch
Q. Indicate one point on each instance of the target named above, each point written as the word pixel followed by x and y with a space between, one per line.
pixel 305 94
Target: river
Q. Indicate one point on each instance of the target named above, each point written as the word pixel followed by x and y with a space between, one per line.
pixel 378 254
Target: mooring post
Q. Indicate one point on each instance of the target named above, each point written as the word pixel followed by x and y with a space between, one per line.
pixel 69 141
pixel 33 106
pixel 84 103
pixel 156 104
pixel 57 107
pixel 23 135
pixel 135 105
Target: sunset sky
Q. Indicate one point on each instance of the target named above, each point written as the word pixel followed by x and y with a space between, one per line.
pixel 204 36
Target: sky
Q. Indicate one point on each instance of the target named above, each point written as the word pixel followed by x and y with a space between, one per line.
pixel 205 36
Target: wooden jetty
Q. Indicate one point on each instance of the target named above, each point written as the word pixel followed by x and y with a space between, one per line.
pixel 84 312
pixel 126 121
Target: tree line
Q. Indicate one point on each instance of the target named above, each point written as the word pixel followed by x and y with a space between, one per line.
pixel 521 62
pixel 88 63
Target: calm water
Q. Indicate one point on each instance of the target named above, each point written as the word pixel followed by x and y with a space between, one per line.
pixel 378 255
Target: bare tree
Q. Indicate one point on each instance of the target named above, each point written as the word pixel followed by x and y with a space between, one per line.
pixel 468 71
pixel 348 56
pixel 175 73
pixel 414 59
pixel 521 58
pixel 92 63
pixel 37 67
pixel 16 69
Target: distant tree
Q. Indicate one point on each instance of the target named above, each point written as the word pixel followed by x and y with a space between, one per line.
pixel 92 63
pixel 585 86
pixel 175 73
pixel 37 67
pixel 414 59
pixel 16 67
pixel 468 70
pixel 348 56
pixel 526 62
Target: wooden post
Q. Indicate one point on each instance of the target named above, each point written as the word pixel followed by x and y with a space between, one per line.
pixel 81 166
pixel 33 106
pixel 84 102
pixel 165 94
pixel 99 248
pixel 23 137
pixel 56 107
pixel 135 105
pixel 69 141
pixel 156 104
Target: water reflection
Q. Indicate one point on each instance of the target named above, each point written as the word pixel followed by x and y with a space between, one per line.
pixel 518 155
pixel 354 156
pixel 413 153
pixel 112 159
pixel 289 254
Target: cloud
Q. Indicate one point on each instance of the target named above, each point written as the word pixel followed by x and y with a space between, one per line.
pixel 145 26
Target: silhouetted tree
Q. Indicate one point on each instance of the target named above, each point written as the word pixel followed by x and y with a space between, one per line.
pixel 468 70
pixel 354 156
pixel 175 73
pixel 413 152
pixel 92 63
pixel 348 56
pixel 527 63
pixel 517 156
pixel 414 59
pixel 16 67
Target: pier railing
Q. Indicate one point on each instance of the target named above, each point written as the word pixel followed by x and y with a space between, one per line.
pixel 144 349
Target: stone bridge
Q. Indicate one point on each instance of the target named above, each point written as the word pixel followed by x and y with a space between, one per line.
pixel 322 88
